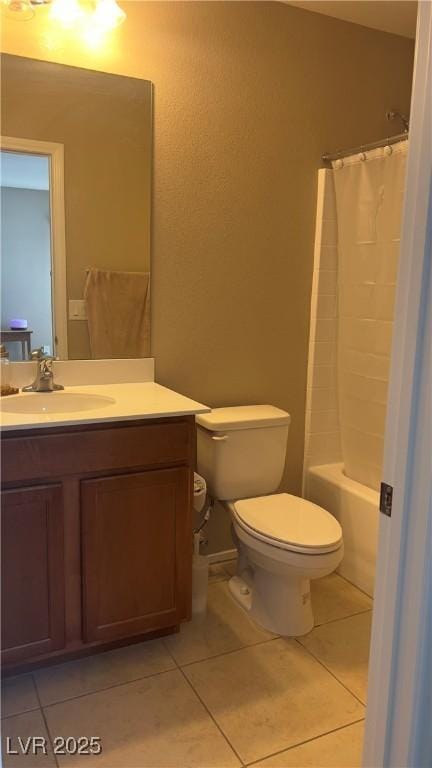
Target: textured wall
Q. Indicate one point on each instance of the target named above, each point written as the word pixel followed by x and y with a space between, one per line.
pixel 247 97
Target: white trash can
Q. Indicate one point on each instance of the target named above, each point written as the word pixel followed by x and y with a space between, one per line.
pixel 200 563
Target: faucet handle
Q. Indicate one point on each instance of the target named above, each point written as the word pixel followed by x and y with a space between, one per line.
pixel 37 354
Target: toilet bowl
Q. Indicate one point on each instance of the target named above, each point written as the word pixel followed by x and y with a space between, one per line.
pixel 283 541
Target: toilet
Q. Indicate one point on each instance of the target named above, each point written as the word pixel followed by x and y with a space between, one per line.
pixel 283 541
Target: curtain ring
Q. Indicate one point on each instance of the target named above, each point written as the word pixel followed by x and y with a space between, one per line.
pixel 338 164
pixel 362 156
pixel 388 150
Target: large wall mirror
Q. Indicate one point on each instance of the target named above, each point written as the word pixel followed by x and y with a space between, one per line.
pixel 76 164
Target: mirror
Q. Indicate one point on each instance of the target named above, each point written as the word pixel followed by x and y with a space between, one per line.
pixel 76 163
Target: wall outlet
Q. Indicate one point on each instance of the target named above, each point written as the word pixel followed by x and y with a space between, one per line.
pixel 77 310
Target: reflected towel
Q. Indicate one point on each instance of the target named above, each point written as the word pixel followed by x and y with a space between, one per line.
pixel 118 313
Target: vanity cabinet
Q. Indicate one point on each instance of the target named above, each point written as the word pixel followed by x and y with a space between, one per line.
pixel 96 537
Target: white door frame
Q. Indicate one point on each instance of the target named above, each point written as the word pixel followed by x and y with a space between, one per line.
pixel 55 153
pixel 398 720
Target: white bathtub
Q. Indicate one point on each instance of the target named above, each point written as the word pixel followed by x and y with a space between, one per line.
pixel 356 507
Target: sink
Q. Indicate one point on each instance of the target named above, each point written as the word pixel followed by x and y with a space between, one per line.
pixel 54 402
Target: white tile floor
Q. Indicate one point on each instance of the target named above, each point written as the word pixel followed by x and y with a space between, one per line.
pixel 221 693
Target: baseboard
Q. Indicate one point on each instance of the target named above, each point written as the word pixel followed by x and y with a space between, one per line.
pixel 222 557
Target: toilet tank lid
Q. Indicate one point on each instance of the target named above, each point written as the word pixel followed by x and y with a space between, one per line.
pixel 243 417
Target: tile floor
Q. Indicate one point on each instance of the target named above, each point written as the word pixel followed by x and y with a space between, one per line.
pixel 221 693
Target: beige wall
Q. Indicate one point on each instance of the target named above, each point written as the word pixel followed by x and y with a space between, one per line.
pixel 247 97
pixel 105 124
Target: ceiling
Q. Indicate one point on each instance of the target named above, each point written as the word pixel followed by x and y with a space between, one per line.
pixel 23 171
pixel 396 16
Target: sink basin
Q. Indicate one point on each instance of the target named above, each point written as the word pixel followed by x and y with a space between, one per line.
pixel 54 402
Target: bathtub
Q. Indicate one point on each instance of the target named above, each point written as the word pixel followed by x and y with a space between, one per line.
pixel 356 507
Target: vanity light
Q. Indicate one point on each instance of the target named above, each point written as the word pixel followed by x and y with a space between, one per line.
pixel 66 12
pixel 21 10
pixel 100 16
pixel 108 15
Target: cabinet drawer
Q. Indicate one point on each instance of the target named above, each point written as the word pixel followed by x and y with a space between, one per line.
pixel 93 449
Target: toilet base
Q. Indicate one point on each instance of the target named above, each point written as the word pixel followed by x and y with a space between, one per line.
pixel 273 584
pixel 241 592
pixel 279 605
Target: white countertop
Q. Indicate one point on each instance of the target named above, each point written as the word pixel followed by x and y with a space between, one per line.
pixel 145 400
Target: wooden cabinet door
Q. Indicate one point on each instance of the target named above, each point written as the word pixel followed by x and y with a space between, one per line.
pixel 136 552
pixel 32 571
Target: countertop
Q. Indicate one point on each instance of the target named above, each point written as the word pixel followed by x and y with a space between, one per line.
pixel 146 400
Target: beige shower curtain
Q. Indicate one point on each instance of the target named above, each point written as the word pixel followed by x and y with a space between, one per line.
pixel 369 194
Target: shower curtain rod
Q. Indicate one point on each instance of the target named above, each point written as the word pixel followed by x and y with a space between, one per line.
pixel 327 157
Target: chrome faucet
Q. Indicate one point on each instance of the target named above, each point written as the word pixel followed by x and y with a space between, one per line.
pixel 44 381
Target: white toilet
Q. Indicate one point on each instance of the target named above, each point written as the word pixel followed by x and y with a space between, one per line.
pixel 283 541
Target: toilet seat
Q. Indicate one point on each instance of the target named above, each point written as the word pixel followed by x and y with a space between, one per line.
pixel 289 522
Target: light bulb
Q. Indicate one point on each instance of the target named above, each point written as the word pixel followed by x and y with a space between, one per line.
pixel 19 10
pixel 93 35
pixel 107 15
pixel 66 12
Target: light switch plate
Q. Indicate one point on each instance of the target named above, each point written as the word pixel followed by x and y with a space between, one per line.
pixel 77 310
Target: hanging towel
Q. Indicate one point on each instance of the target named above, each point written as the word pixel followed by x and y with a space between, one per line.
pixel 118 313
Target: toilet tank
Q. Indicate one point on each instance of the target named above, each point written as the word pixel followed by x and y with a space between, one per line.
pixel 241 451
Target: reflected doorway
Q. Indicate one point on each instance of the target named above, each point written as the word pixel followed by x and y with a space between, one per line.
pixel 33 248
pixel 26 264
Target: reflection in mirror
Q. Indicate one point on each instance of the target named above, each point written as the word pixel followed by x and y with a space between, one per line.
pixel 76 193
pixel 26 254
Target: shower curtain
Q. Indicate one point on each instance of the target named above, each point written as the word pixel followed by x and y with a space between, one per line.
pixel 369 194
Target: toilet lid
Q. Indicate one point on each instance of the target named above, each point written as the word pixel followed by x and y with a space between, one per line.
pixel 290 521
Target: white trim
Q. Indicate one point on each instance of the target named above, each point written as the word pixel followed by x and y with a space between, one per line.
pixel 398 716
pixel 322 172
pixel 55 152
pixel 227 555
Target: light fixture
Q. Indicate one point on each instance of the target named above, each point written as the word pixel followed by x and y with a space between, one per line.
pixel 107 15
pixel 21 10
pixel 97 17
pixel 66 12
